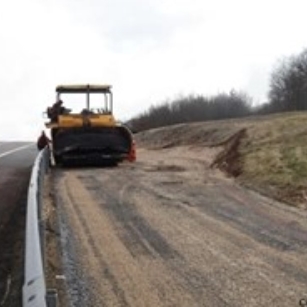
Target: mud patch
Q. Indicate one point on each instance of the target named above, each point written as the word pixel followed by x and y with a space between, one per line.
pixel 165 168
pixel 228 160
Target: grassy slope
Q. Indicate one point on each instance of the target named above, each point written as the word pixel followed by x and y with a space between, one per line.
pixel 271 154
pixel 274 157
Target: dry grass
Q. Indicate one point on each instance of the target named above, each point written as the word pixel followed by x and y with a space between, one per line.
pixel 274 156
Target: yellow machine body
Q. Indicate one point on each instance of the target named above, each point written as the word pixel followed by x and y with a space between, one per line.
pixel 79 120
pixel 91 135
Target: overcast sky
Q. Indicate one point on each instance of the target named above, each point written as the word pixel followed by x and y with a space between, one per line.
pixel 149 50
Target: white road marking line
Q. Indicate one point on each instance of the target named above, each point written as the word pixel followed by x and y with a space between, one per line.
pixel 14 150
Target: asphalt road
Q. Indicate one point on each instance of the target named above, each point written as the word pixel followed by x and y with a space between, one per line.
pixel 16 160
pixel 170 231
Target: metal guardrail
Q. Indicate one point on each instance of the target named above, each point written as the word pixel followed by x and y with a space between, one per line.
pixel 34 288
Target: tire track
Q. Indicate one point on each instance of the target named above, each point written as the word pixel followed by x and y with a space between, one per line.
pixel 94 252
pixel 125 212
pixel 136 232
pixel 134 275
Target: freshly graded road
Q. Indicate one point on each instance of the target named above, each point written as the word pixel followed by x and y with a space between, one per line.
pixel 16 160
pixel 170 231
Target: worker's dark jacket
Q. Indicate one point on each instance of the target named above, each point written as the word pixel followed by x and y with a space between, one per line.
pixel 42 142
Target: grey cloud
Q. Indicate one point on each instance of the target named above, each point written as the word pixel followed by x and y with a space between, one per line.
pixel 124 23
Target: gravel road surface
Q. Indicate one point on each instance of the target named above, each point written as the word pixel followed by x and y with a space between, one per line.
pixel 170 231
pixel 16 159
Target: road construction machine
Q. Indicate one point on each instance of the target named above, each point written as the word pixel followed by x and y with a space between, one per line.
pixel 92 135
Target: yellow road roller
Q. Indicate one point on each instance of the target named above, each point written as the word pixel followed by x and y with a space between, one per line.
pixel 90 135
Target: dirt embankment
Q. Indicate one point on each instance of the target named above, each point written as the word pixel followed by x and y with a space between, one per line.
pixel 268 154
pixel 172 230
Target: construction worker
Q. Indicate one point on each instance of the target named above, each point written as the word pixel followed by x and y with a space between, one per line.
pixel 43 141
pixel 56 110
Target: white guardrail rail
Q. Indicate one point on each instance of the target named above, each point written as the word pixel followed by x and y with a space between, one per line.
pixel 34 288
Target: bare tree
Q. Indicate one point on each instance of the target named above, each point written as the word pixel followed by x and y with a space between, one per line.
pixel 288 84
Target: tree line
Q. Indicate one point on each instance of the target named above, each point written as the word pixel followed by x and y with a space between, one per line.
pixel 287 92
